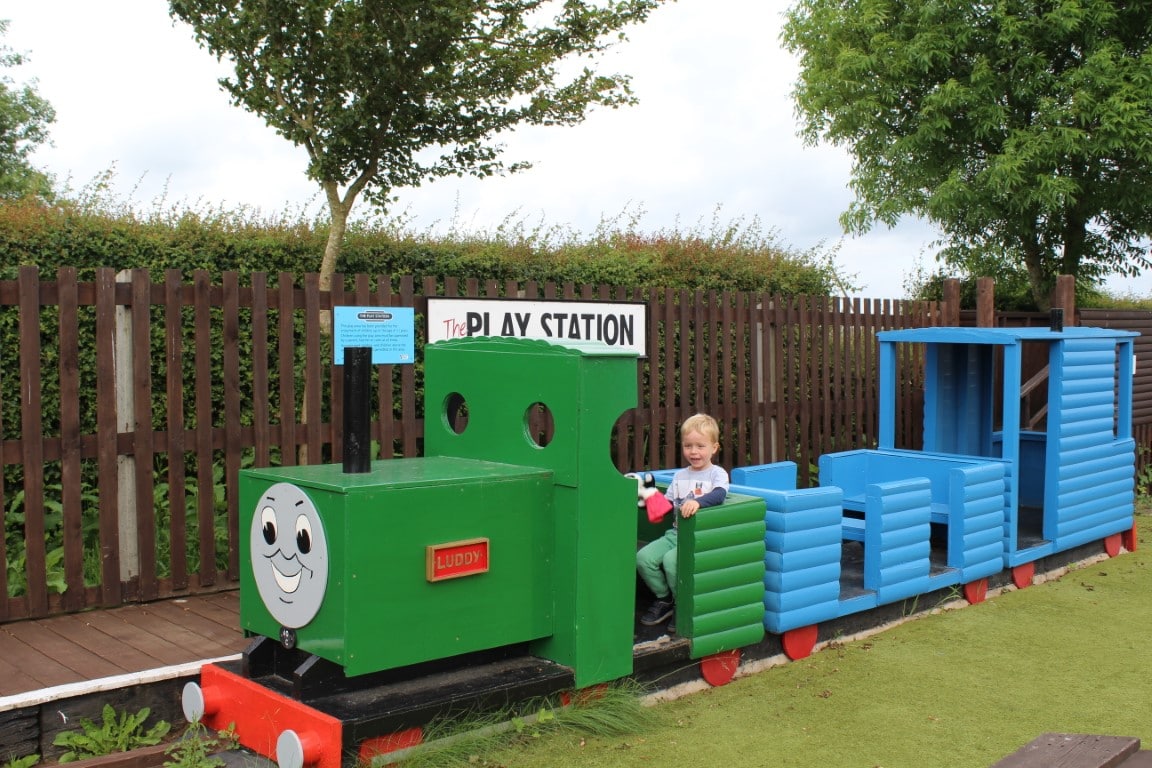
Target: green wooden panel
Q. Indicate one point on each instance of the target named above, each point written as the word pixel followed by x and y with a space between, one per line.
pixel 721 621
pixel 728 536
pixel 379 527
pixel 727 640
pixel 720 590
pixel 726 599
pixel 585 389
pixel 726 578
pixel 714 559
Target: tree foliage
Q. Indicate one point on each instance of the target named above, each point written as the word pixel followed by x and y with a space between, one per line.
pixel 1023 129
pixel 385 94
pixel 24 121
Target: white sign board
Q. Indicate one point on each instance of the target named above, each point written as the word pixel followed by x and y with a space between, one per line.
pixel 619 325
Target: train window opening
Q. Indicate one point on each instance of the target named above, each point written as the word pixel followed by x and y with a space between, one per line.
pixel 456 412
pixel 1036 365
pixel 1031 410
pixel 539 424
pixel 1119 372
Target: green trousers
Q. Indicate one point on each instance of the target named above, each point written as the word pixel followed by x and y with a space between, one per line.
pixel 656 563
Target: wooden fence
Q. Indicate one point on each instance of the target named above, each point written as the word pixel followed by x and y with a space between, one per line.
pixel 128 406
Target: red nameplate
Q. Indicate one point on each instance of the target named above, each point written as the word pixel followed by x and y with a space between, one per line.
pixel 456 559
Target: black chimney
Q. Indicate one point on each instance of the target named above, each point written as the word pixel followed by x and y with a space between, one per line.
pixel 357 409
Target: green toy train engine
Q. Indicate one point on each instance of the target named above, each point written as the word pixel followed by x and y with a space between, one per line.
pixel 508 551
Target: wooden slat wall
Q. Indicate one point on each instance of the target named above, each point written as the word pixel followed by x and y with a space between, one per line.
pixel 236 372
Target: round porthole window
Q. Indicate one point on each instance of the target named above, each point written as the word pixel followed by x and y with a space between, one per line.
pixel 456 413
pixel 538 424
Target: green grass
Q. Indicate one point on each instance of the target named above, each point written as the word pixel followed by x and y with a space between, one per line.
pixel 607 711
pixel 956 689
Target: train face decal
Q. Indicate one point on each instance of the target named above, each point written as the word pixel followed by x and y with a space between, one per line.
pixel 289 555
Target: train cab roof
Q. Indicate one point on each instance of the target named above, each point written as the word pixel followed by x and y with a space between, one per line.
pixel 1001 336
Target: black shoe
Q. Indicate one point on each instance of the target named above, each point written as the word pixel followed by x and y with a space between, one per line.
pixel 657 612
pixel 672 625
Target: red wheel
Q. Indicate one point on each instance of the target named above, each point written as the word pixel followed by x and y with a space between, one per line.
pixel 392 742
pixel 1129 538
pixel 719 668
pixel 1022 575
pixel 798 643
pixel 976 591
pixel 1112 545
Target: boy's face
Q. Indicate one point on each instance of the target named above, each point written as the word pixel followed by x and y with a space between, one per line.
pixel 698 450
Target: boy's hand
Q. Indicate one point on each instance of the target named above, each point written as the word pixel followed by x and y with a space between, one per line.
pixel 688 508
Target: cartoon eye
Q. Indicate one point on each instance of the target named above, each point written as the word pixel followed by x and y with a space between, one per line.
pixel 303 535
pixel 268 523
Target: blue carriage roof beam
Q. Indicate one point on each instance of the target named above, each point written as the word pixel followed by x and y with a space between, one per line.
pixel 1003 336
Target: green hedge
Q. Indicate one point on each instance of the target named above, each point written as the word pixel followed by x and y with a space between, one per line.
pixel 737 255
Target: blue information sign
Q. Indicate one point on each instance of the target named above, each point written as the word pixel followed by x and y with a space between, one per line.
pixel 389 331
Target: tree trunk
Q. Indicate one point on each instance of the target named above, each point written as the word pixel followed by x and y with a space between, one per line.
pixel 338 211
pixel 1034 262
pixel 1075 237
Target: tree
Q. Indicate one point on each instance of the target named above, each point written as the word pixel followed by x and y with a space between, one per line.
pixel 24 121
pixel 385 94
pixel 1022 129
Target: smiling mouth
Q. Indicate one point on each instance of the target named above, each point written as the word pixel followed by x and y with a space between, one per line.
pixel 288 584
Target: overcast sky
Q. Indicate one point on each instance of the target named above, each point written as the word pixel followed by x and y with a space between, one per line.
pixel 714 130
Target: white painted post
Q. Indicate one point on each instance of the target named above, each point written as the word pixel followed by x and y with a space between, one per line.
pixel 125 422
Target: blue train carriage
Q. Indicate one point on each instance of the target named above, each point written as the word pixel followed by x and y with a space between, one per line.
pixel 987 492
pixel 1069 470
pixel 991 489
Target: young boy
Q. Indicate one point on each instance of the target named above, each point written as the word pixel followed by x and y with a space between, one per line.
pixel 700 484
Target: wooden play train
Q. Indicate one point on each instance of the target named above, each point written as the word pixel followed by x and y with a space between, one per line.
pixel 501 566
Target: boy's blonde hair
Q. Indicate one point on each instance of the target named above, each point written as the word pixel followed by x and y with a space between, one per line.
pixel 702 423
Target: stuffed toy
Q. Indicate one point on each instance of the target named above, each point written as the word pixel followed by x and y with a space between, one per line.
pixel 649 497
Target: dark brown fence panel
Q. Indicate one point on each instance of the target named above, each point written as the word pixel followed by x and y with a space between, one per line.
pixel 407 423
pixel 143 567
pixel 231 388
pixel 176 444
pixel 261 386
pixel 71 467
pixel 286 351
pixel 387 385
pixel 107 453
pixel 313 373
pixel 239 373
pixel 202 430
pixel 1143 436
pixel 35 566
pixel 5 611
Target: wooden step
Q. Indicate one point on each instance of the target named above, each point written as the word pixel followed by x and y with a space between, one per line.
pixel 1074 750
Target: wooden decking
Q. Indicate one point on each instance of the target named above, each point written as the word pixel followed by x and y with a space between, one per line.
pixel 97 647
pixel 1078 750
